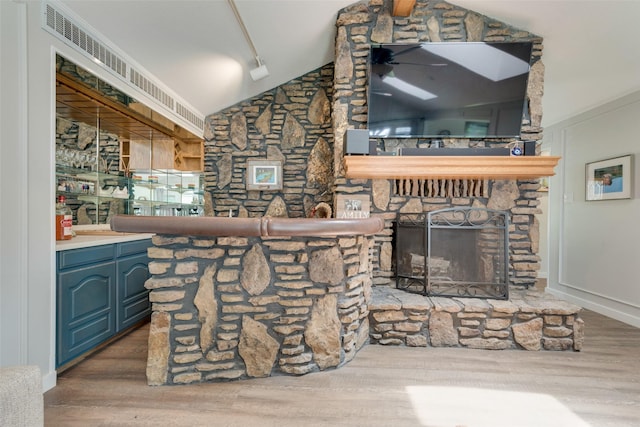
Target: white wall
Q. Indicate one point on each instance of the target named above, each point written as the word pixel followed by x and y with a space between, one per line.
pixel 27 244
pixel 543 224
pixel 26 185
pixel 594 246
pixel 13 173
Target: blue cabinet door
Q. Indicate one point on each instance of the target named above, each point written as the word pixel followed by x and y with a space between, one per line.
pixel 86 309
pixel 133 298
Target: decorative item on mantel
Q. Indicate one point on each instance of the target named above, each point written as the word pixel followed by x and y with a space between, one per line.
pixel 353 206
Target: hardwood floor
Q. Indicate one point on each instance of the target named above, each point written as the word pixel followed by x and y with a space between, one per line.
pixel 383 386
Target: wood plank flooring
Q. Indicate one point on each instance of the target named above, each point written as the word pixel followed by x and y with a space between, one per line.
pixel 383 386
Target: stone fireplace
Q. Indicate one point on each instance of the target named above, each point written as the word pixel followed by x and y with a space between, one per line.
pixel 365 23
pixel 302 124
pixel 454 252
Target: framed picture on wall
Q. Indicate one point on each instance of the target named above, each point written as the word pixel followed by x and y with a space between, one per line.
pixel 264 175
pixel 609 179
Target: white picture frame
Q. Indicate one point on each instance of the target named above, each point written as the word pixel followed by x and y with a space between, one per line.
pixel 264 175
pixel 609 179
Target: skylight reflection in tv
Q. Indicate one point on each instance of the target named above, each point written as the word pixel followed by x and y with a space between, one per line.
pixel 478 89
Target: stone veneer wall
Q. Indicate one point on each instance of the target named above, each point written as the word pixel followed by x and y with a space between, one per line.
pixel 292 124
pixel 302 123
pixel 367 22
pixel 242 307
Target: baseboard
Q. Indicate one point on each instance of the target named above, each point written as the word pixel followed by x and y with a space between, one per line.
pixel 599 307
pixel 49 381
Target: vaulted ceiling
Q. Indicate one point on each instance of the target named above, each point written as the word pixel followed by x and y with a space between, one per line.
pixel 198 50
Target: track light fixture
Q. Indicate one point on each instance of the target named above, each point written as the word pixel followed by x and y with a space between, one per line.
pixel 261 71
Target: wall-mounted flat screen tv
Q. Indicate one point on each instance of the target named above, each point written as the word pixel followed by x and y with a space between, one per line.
pixel 448 89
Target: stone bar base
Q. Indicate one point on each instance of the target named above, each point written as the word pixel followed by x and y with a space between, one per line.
pixel 228 308
pixel 529 320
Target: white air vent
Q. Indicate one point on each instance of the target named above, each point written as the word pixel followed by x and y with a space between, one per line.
pixel 62 26
pixel 60 23
pixel 151 89
pixel 189 115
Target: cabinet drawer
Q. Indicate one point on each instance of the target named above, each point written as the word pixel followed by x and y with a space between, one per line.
pixel 135 247
pixel 82 256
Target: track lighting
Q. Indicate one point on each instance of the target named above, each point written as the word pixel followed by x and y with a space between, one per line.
pixel 260 72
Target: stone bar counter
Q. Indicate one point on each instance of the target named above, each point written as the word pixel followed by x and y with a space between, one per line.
pixel 238 298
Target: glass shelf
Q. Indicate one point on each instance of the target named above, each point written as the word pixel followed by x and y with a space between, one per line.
pixel 167 192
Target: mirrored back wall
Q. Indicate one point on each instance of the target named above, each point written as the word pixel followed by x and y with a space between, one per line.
pixel 96 127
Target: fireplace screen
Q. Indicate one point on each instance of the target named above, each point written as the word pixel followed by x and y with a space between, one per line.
pixel 455 252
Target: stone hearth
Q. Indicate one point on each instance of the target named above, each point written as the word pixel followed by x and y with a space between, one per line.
pixel 529 320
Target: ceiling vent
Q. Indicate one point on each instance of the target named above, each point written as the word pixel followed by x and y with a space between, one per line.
pixel 189 115
pixel 65 28
pixel 60 23
pixel 146 85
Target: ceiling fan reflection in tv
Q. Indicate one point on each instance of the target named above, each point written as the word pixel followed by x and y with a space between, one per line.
pixel 452 89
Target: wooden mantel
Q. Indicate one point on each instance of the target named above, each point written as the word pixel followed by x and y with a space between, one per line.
pixel 449 167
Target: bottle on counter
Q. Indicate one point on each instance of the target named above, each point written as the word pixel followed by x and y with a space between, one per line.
pixel 64 220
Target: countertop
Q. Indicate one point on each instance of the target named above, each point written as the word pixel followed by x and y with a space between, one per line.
pixel 87 236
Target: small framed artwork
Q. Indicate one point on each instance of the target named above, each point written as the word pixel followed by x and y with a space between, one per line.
pixel 609 179
pixel 264 175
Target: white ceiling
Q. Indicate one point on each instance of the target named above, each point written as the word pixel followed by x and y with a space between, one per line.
pixel 197 49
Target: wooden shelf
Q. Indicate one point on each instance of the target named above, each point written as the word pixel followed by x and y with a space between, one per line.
pixel 151 136
pixel 449 167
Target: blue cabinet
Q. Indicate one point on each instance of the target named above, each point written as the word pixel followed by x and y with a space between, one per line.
pixel 100 293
